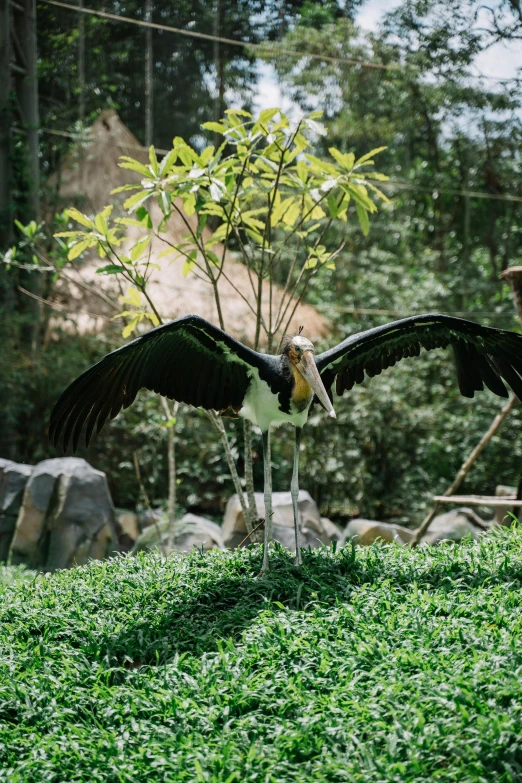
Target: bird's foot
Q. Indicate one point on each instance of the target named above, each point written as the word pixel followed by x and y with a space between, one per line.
pixel 298 560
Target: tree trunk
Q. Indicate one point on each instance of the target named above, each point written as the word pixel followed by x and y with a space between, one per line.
pixel 149 78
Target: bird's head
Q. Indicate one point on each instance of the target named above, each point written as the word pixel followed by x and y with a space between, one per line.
pixel 300 353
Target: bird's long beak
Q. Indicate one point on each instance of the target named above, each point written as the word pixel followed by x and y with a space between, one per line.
pixel 309 371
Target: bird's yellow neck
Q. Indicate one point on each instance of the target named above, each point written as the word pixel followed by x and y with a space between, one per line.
pixel 302 392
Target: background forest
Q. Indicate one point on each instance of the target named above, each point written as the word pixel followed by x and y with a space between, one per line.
pixel 453 140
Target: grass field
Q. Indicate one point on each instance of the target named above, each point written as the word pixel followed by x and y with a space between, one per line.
pixel 369 664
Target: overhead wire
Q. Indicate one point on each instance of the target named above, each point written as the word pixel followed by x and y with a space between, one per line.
pixel 229 41
pixel 261 47
pixel 267 47
pixel 434 191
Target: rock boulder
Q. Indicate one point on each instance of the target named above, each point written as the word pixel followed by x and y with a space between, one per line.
pixel 454 526
pixel 315 530
pixel 66 504
pixel 191 531
pixel 366 531
pixel 13 478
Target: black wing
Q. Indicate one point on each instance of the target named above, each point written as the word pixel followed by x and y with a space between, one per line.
pixel 484 356
pixel 188 360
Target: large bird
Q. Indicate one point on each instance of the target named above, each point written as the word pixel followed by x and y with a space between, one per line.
pixel 192 361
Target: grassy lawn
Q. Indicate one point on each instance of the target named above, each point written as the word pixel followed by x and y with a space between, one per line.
pixel 373 664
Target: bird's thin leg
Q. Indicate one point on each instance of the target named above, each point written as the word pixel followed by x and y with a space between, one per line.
pixel 294 489
pixel 268 499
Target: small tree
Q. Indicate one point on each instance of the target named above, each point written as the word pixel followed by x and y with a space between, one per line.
pixel 262 194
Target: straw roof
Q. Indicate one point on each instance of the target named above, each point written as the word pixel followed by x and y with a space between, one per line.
pixel 92 174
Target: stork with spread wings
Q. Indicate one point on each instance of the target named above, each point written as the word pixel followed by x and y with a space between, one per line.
pixel 192 361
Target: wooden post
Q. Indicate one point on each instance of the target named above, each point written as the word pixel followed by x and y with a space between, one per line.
pixel 463 472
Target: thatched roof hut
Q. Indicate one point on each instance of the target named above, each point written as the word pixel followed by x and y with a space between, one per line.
pixel 90 175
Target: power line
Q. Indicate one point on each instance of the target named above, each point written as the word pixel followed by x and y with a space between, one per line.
pixel 259 47
pixel 434 191
pixel 230 41
pixel 88 138
pixel 449 192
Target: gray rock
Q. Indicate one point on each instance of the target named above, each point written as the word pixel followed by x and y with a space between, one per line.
pixel 127 523
pixel 66 504
pixel 501 516
pixel 315 530
pixel 148 517
pixel 366 531
pixel 191 531
pixel 454 526
pixel 13 478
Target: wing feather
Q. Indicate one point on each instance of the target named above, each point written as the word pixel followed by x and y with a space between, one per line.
pixel 483 356
pixel 188 360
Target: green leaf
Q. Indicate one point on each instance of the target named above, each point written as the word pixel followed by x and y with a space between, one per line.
pixel 189 263
pixel 164 201
pixel 167 162
pixel 137 250
pixel 144 217
pixel 167 252
pixel 302 171
pixel 137 199
pixel 206 155
pixel 369 155
pixel 215 127
pixel 153 160
pixel 77 249
pixel 186 155
pixel 219 235
pixel 189 203
pixel 128 222
pixel 333 206
pixel 124 187
pixel 110 269
pixel 153 318
pixel 131 297
pixel 378 193
pixel 75 214
pixel 344 159
pixel 100 221
pixel 280 209
pixel 376 176
pixel 213 258
pixel 240 112
pixel 130 327
pixel 134 165
pixel 364 220
pixel 360 195
pixel 292 213
pixel 266 115
pixel 316 127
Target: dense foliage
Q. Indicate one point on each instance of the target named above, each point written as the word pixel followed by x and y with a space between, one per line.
pixel 399 437
pixel 373 664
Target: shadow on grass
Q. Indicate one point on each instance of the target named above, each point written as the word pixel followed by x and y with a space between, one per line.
pixel 223 607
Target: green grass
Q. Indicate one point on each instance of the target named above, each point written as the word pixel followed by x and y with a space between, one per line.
pixel 375 664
